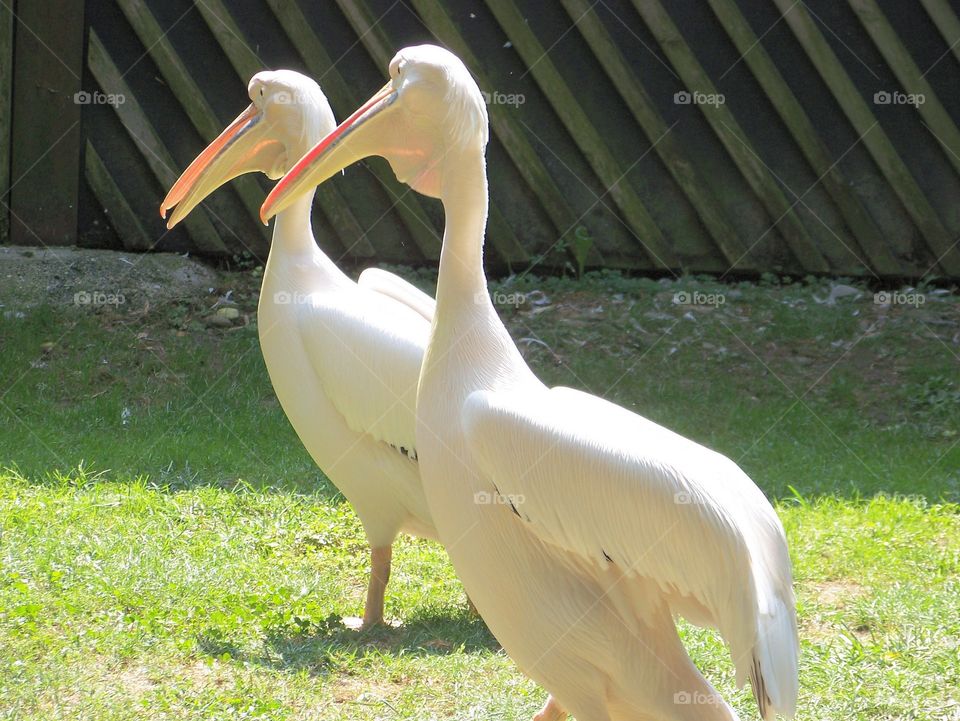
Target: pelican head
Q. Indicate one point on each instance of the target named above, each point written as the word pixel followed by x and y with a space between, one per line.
pixel 287 115
pixel 430 109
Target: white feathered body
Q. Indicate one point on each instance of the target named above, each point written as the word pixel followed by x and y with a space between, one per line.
pixel 344 362
pixel 598 526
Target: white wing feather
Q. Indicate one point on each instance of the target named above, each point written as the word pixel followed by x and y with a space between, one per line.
pixel 393 286
pixel 366 350
pixel 615 488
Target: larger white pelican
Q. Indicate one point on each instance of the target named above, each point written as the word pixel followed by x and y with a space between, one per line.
pixel 578 528
pixel 343 357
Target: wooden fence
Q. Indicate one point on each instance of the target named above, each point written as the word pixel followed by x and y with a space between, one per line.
pixel 720 136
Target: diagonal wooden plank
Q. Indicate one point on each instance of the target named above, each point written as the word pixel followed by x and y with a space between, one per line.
pixel 946 21
pixel 190 96
pixel 503 121
pixel 221 23
pixel 122 217
pixel 874 138
pixel 247 64
pixel 369 31
pixel 909 75
pixel 321 66
pixel 669 147
pixel 868 239
pixel 140 129
pixel 376 42
pixel 564 102
pixel 728 131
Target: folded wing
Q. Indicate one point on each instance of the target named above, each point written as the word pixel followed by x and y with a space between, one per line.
pixel 612 487
pixel 393 286
pixel 366 350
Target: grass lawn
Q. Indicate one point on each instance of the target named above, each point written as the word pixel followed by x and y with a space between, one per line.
pixel 169 551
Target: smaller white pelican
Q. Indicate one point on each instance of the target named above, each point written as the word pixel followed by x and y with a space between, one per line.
pixel 578 528
pixel 344 357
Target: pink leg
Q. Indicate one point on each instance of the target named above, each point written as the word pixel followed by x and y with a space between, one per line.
pixel 379 575
pixel 551 711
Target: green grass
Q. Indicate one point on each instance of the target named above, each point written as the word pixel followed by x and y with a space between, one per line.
pixel 185 560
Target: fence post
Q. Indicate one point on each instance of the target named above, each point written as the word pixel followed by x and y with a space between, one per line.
pixel 45 150
pixel 6 85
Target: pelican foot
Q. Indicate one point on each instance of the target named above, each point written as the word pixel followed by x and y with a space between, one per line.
pixel 551 711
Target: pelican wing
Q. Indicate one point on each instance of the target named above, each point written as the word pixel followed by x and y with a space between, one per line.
pixel 621 492
pixel 393 286
pixel 366 349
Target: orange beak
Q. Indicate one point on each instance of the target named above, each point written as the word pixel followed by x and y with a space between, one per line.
pixel 328 157
pixel 241 148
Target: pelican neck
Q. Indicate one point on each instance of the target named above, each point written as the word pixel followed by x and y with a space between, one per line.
pixel 465 203
pixel 292 230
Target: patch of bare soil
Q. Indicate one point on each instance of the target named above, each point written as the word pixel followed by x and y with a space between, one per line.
pixel 75 276
pixel 152 292
pixel 837 594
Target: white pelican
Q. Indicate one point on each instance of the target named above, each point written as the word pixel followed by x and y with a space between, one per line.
pixel 579 529
pixel 344 358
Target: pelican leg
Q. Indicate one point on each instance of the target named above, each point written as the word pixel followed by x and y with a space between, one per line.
pixel 551 711
pixel 376 589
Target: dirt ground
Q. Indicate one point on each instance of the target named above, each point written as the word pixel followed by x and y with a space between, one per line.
pixel 34 276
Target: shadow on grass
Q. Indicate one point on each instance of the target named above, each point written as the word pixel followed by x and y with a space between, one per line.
pixel 319 648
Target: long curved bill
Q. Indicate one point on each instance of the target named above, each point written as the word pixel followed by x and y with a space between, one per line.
pixel 352 140
pixel 231 153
